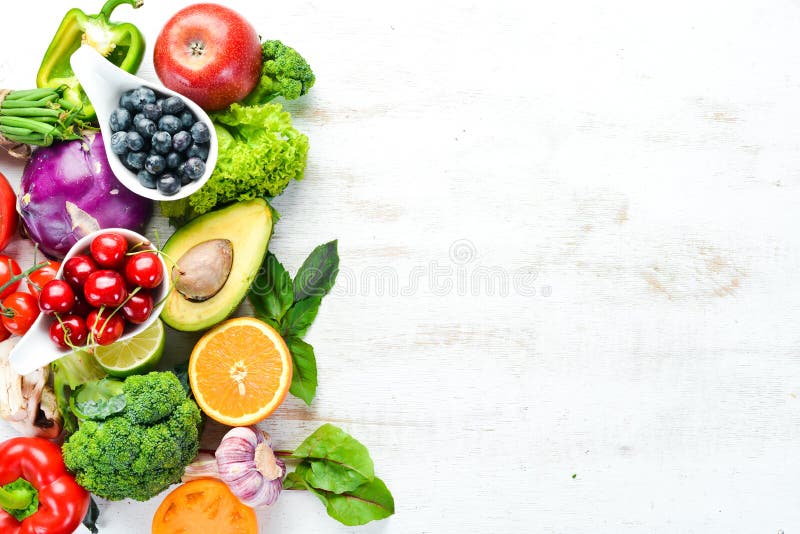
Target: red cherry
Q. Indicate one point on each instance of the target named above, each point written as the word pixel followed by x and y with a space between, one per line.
pixel 144 270
pixel 109 250
pixel 138 308
pixel 56 296
pixel 105 288
pixel 70 331
pixel 105 328
pixel 77 269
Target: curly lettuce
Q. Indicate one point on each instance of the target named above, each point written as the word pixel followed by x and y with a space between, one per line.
pixel 260 152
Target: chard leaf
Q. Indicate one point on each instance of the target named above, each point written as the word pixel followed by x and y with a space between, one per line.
pixel 298 319
pixel 369 502
pixel 333 477
pixel 271 292
pixel 331 444
pixel 304 372
pixel 316 276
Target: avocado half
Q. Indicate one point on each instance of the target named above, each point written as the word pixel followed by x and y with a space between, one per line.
pixel 248 226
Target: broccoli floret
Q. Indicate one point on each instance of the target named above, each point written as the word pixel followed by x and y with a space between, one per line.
pixel 140 451
pixel 148 401
pixel 284 73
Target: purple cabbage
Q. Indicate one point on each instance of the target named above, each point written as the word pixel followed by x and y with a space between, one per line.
pixel 69 190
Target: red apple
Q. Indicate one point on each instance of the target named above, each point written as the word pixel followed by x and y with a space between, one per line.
pixel 210 54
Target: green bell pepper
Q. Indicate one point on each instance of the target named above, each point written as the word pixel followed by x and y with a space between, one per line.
pixel 121 43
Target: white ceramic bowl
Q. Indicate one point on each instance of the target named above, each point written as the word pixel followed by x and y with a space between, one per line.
pixel 104 83
pixel 36 349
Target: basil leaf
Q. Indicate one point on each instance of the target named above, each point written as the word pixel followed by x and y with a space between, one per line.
pixel 333 477
pixel 271 292
pixel 369 502
pixel 304 371
pixel 298 319
pixel 332 444
pixel 316 276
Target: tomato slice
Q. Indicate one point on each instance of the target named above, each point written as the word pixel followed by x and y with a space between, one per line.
pixel 205 506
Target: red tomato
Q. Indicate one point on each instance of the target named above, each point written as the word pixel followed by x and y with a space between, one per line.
pixel 8 269
pixel 4 334
pixel 22 310
pixel 8 212
pixel 38 278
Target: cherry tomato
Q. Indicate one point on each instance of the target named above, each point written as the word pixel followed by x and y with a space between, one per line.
pixel 138 308
pixel 57 297
pixel 8 212
pixel 109 250
pixel 22 310
pixel 38 278
pixel 144 269
pixel 4 334
pixel 8 269
pixel 77 269
pixel 105 328
pixel 71 331
pixel 105 288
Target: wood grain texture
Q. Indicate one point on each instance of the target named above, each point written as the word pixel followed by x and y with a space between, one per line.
pixel 568 300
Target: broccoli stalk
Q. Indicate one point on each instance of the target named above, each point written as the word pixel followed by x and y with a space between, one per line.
pixel 69 372
pixel 284 73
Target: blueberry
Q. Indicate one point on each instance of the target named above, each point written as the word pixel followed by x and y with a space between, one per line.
pixel 187 119
pixel 126 100
pixel 194 168
pixel 151 111
pixel 160 103
pixel 168 184
pixel 155 164
pixel 135 160
pixel 146 179
pixel 119 143
pixel 169 123
pixel 161 142
pixel 173 105
pixel 142 96
pixel 135 141
pixel 185 180
pixel 145 127
pixel 181 140
pixel 174 160
pixel 198 151
pixel 200 132
pixel 119 120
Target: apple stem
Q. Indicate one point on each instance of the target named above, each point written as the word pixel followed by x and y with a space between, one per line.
pixel 197 48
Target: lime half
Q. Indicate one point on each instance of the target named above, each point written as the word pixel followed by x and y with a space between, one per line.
pixel 136 355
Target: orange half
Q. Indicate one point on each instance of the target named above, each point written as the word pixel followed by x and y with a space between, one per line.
pixel 240 371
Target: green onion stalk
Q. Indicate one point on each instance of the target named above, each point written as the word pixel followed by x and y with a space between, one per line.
pixel 36 117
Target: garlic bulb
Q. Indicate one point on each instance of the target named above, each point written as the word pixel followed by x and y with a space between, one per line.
pixel 204 465
pixel 248 466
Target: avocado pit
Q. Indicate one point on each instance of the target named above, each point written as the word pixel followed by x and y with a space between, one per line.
pixel 203 270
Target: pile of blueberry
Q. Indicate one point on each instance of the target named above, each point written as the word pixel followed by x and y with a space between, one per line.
pixel 160 139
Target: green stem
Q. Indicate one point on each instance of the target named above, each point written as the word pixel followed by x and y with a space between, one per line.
pixel 111 5
pixel 16 498
pixel 17 277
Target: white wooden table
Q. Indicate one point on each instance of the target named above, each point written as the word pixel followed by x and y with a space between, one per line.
pixel 568 236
